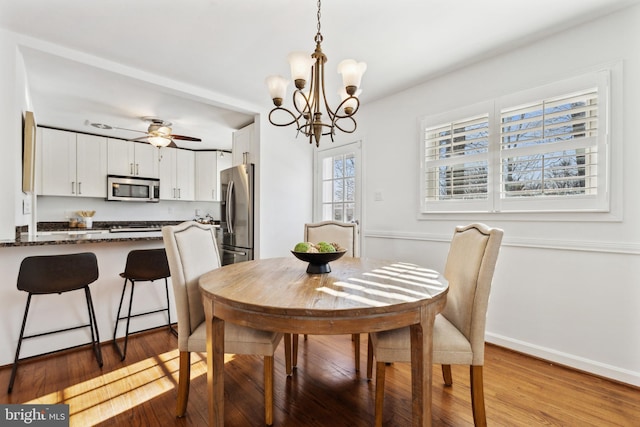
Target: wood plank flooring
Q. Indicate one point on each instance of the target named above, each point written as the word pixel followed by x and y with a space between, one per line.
pixel 324 390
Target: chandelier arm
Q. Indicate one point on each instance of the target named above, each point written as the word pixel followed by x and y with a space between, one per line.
pixel 353 121
pixel 293 116
pixel 338 116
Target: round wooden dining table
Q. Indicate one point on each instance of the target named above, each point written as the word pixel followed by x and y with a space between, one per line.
pixel 358 295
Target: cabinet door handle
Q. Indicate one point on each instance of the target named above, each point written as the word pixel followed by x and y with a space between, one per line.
pixel 179 194
pixel 137 169
pixel 131 168
pixel 213 194
pixel 79 187
pixel 73 187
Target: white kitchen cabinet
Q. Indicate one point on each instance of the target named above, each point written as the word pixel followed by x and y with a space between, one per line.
pixel 243 141
pixel 208 167
pixel 132 159
pixel 177 176
pixel 73 164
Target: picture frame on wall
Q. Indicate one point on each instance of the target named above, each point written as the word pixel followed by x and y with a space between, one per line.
pixel 28 153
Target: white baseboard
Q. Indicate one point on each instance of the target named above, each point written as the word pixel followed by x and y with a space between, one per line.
pixel 601 369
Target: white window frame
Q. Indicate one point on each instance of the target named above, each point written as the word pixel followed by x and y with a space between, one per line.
pixel 494 203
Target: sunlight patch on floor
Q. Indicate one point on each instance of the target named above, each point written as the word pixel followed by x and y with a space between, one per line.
pixel 116 392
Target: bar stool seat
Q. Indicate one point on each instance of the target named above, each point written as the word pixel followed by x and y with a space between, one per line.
pixel 57 274
pixel 144 265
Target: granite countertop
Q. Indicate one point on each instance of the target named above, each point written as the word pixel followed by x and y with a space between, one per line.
pixel 57 233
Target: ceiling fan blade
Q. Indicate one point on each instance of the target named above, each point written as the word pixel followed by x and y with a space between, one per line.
pixel 186 138
pixel 142 138
pixel 131 130
pixel 172 145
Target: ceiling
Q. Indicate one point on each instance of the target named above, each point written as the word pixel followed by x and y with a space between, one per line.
pixel 201 64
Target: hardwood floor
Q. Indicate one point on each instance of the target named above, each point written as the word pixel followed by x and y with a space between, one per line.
pixel 324 390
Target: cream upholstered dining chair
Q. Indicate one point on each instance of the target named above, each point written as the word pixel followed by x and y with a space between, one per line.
pixel 192 251
pixel 343 233
pixel 346 235
pixel 458 332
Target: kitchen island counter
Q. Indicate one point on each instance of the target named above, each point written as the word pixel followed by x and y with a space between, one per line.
pixel 54 234
pixel 89 236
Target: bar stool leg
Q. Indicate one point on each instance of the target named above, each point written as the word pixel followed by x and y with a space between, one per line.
pixel 93 323
pixel 14 369
pixel 118 318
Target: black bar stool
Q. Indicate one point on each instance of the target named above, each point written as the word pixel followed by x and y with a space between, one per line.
pixel 145 265
pixel 56 274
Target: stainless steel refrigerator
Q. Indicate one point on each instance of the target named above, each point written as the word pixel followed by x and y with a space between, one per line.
pixel 235 237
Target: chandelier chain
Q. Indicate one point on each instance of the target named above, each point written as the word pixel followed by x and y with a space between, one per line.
pixel 318 37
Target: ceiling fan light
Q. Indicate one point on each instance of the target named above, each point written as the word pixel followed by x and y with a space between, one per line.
pixel 164 131
pixel 159 141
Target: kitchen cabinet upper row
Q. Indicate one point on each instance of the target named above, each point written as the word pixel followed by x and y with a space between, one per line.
pixel 177 176
pixel 72 164
pixel 76 164
pixel 208 167
pixel 132 159
pixel 243 145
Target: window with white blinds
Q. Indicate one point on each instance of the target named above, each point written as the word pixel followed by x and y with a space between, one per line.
pixel 550 148
pixel 456 156
pixel 541 150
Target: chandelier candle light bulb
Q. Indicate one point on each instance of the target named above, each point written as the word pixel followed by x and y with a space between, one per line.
pixel 311 105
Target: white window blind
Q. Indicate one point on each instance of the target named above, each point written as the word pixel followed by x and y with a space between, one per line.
pixel 541 150
pixel 456 160
pixel 550 148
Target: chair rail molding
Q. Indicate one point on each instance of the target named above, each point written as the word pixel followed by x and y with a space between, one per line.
pixel 626 248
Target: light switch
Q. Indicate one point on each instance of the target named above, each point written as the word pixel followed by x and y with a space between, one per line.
pixel 26 206
pixel 377 195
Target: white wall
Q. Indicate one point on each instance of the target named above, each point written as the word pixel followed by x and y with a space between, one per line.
pixel 565 290
pixel 10 144
pixel 284 188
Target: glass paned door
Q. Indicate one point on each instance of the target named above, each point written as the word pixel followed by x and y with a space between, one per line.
pixel 337 184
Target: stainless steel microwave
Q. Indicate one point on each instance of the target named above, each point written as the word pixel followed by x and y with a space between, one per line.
pixel 130 189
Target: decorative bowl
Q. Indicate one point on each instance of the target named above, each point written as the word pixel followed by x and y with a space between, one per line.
pixel 318 261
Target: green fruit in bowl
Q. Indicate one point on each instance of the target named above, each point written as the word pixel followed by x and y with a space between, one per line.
pixel 325 247
pixel 301 247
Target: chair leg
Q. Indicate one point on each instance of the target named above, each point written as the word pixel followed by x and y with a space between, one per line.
pixel 93 324
pixel 477 396
pixel 287 353
pixel 446 374
pixel 268 390
pixel 184 379
pixel 380 372
pixel 14 369
pixel 294 351
pixel 356 349
pixel 369 358
pixel 166 289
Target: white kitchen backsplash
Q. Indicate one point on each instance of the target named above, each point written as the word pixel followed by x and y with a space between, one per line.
pixel 50 208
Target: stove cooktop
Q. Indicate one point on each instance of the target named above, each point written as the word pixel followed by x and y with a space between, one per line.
pixel 134 228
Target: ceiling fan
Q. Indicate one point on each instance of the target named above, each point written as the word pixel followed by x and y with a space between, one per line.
pixel 158 133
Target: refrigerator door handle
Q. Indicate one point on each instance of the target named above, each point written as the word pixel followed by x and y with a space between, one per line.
pixel 234 252
pixel 230 208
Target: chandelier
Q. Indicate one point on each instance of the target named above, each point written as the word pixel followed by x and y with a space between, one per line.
pixel 309 105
